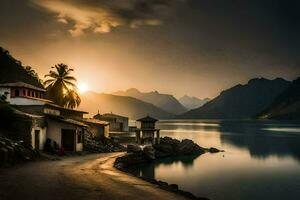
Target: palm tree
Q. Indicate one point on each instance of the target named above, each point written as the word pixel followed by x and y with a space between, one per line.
pixel 61 86
pixel 72 99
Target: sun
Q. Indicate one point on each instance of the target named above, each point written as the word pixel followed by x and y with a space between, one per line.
pixel 82 87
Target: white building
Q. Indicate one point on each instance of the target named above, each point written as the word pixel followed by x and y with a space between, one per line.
pixel 63 126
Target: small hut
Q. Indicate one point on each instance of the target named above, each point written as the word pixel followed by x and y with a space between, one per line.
pixel 147 133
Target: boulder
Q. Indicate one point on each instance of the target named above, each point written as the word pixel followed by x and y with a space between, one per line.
pixel 174 186
pixel 130 159
pixel 169 141
pixel 3 155
pixel 149 152
pixel 134 148
pixel 188 147
pixel 173 147
pixel 163 150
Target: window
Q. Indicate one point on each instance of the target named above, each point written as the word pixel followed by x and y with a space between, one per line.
pixel 32 93
pixel 28 93
pixel 79 137
pixel 24 92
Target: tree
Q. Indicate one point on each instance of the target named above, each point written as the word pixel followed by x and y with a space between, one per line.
pixel 61 86
pixel 72 99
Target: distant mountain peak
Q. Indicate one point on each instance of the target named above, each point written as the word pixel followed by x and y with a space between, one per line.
pixel 191 102
pixel 165 102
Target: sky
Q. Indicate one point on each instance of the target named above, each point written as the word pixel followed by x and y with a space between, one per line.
pixel 193 47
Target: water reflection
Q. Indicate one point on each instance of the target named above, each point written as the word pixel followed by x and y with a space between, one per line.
pixel 148 170
pixel 262 160
pixel 261 138
pixel 260 141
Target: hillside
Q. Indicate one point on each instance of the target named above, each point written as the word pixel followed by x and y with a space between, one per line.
pixel 12 71
pixel 163 101
pixel 241 101
pixel 122 105
pixel 192 102
pixel 286 105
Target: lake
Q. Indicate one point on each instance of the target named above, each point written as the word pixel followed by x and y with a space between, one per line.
pixel 261 159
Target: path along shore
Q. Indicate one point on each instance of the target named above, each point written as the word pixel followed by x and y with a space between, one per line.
pixel 90 177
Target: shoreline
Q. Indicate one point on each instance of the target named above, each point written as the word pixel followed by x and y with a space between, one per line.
pixel 167 148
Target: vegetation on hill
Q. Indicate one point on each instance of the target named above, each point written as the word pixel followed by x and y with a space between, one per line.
pixel 12 71
pixel 240 101
pixel 163 101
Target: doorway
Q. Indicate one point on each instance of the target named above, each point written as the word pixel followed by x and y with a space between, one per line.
pixel 37 139
pixel 68 139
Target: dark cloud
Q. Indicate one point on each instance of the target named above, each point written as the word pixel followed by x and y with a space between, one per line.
pixel 101 16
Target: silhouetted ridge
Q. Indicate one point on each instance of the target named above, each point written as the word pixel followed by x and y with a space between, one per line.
pixel 286 105
pixel 12 71
pixel 241 101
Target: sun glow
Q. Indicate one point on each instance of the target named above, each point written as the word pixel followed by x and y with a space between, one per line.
pixel 82 87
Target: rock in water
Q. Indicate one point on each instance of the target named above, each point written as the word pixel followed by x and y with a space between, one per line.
pixel 214 150
pixel 188 147
pixel 173 147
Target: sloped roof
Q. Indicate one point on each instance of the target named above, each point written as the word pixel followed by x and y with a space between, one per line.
pixel 12 71
pixel 95 121
pixel 147 119
pixel 66 120
pixel 113 115
pixel 63 108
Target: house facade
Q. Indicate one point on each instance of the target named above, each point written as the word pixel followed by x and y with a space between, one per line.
pixel 36 120
pixel 117 123
pixel 63 127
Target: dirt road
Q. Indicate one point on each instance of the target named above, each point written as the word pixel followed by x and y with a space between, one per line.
pixel 77 178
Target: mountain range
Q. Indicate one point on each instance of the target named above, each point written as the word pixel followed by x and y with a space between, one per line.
pixel 240 101
pixel 122 105
pixel 163 101
pixel 286 105
pixel 192 102
pixel 260 97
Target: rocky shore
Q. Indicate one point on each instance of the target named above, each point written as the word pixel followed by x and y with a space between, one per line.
pixel 105 145
pixel 12 152
pixel 168 147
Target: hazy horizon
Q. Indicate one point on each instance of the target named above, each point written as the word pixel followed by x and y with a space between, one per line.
pixel 179 47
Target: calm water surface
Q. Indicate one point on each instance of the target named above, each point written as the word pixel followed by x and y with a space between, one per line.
pixel 262 160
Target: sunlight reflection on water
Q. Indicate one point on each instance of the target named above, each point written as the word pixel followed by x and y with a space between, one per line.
pixel 288 130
